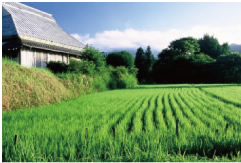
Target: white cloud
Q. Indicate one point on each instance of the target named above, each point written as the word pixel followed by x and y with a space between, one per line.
pixel 158 40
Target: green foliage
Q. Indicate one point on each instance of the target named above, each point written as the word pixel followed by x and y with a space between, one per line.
pixel 225 49
pixel 6 60
pixel 210 46
pixel 167 56
pixel 228 68
pixel 57 67
pixel 130 125
pixel 185 62
pixel 140 63
pixel 185 46
pixel 122 58
pixel 201 59
pixel 76 83
pixel 94 55
pixel 82 66
pixel 144 62
pixel 149 61
pixel 121 78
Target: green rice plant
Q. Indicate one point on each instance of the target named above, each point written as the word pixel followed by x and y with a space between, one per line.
pixel 127 125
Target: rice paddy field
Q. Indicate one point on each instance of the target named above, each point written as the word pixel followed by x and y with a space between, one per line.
pixel 148 123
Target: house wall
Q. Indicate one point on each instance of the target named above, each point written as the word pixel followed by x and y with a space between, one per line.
pixel 40 58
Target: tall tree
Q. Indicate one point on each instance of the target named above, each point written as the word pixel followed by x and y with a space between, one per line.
pixel 149 61
pixel 210 46
pixel 149 58
pixel 140 63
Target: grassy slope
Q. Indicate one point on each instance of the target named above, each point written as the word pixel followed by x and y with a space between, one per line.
pixel 28 87
pixel 57 132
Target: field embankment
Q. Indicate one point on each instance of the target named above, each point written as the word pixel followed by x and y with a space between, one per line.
pixel 27 87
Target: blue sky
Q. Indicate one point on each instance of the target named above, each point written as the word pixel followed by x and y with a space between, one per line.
pixel 130 25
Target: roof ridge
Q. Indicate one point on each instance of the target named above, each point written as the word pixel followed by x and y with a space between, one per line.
pixel 30 12
pixel 28 7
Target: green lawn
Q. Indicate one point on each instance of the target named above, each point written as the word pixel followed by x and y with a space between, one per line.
pixel 131 125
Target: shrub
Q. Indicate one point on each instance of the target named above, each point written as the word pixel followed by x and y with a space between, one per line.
pixel 57 67
pixel 83 66
pixel 77 84
pixel 121 78
pixel 94 55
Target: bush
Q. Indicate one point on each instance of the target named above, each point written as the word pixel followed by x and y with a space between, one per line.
pixel 120 78
pixel 94 55
pixel 122 58
pixel 77 84
pixel 83 66
pixel 57 67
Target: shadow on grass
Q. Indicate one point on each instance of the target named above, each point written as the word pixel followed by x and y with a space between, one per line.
pixel 185 86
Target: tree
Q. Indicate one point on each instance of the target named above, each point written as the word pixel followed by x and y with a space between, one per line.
pixel 140 63
pixel 185 46
pixel 144 62
pixel 167 55
pixel 94 55
pixel 210 46
pixel 149 61
pixel 225 49
pixel 122 58
pixel 229 68
pixel 149 58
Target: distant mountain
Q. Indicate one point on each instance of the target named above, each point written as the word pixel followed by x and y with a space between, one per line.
pixel 235 47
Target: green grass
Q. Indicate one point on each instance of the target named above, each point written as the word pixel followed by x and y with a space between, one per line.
pixel 130 125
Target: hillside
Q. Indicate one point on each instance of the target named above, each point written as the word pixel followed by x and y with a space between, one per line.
pixel 28 87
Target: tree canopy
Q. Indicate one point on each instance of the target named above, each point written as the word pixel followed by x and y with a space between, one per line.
pixel 188 60
pixel 122 58
pixel 210 46
pixel 185 46
pixel 144 62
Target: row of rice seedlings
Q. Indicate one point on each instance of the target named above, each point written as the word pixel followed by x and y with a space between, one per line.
pixel 125 123
pixel 87 111
pixel 170 118
pixel 184 122
pixel 229 112
pixel 138 121
pixel 116 114
pixel 195 108
pixel 160 122
pixel 148 119
pixel 195 121
pixel 228 107
pixel 228 93
pixel 209 110
pixel 107 113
